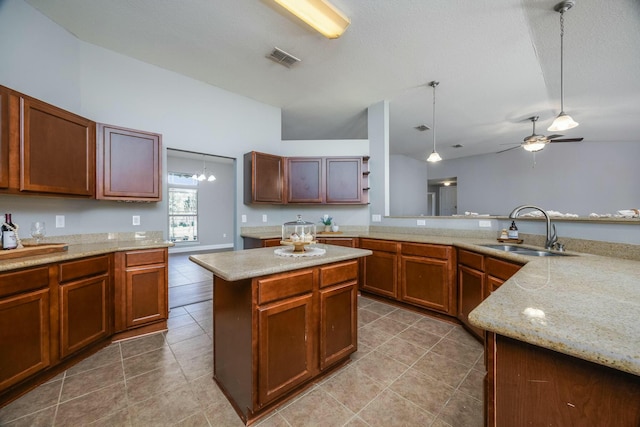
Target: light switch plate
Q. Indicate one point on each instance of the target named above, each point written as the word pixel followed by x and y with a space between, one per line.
pixel 264 217
pixel 136 220
pixel 376 218
pixel 243 218
pixel 422 222
pixel 484 223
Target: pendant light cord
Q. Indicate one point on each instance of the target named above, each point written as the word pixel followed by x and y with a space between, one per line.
pixel 434 84
pixel 562 61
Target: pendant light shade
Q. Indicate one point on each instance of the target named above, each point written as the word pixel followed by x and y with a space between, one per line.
pixel 563 121
pixel 434 156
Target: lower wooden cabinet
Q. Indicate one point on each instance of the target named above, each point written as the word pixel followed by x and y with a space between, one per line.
pixel 24 336
pixel 380 269
pixel 84 303
pixel 533 386
pixel 427 275
pixel 478 276
pixel 285 359
pixel 143 294
pixel 274 334
pixel 253 243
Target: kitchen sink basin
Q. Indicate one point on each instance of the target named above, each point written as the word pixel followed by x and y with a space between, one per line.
pixel 522 250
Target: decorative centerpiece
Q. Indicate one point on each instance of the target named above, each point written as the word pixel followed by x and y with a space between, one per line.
pixel 326 220
pixel 299 234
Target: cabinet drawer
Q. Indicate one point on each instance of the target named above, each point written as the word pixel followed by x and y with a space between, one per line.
pixel 284 286
pixel 338 273
pixel 379 245
pixel 74 270
pixel 471 259
pixel 501 269
pixel 146 257
pixel 22 281
pixel 428 251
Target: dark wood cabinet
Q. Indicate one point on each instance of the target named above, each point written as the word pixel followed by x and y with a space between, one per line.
pixel 57 150
pixel 253 243
pixel 338 308
pixel 4 137
pixel 84 303
pixel 478 276
pixel 348 242
pixel 471 287
pixel 129 164
pixel 313 180
pixel 141 297
pixel 344 180
pixel 285 358
pixel 275 334
pixel 24 325
pixel 264 178
pixel 530 385
pixel 305 180
pixel 427 275
pixel 380 270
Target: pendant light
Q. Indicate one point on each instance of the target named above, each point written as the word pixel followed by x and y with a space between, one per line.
pixel 563 121
pixel 203 175
pixel 434 156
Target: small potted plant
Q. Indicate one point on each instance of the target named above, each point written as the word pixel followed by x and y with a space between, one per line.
pixel 326 220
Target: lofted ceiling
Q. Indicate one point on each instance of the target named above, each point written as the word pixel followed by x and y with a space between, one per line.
pixel 498 63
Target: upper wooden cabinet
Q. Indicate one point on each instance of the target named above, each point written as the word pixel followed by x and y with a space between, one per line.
pixel 4 137
pixel 344 179
pixel 128 164
pixel 312 180
pixel 305 180
pixel 263 178
pixel 51 151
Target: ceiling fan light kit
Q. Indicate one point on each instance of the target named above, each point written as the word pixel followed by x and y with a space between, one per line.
pixel 563 121
pixel 324 17
pixel 434 156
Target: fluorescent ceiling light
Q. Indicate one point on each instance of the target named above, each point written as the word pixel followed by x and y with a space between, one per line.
pixel 319 14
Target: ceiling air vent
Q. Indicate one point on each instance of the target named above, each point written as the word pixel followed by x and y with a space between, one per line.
pixel 422 128
pixel 283 58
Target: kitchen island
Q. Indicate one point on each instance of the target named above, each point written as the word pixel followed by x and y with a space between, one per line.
pixel 280 322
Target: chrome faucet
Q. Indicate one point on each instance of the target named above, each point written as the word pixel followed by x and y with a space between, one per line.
pixel 552 238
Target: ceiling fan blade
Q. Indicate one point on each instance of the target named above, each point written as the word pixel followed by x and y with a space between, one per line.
pixel 567 140
pixel 518 146
pixel 554 136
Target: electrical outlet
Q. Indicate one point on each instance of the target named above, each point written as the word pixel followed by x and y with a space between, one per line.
pixel 59 221
pixel 224 235
pixel 484 223
pixel 243 218
pixel 376 218
pixel 422 222
pixel 264 217
pixel 136 220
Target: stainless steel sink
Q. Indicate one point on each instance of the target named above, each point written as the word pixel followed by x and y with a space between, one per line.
pixel 523 250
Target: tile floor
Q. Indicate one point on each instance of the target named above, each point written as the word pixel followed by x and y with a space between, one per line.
pixel 410 370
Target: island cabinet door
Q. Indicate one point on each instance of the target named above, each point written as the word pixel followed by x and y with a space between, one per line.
pixel 285 348
pixel 338 322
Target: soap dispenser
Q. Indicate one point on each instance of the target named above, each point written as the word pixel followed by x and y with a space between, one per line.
pixel 513 231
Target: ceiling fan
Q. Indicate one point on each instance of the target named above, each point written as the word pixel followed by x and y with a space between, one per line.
pixel 536 142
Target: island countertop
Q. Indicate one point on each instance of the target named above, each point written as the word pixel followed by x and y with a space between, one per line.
pixel 245 264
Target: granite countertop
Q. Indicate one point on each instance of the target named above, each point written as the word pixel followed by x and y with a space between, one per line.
pixel 582 305
pixel 238 265
pixel 81 250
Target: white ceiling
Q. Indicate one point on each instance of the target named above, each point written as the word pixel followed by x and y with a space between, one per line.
pixel 498 62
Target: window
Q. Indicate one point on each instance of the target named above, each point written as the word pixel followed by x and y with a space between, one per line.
pixel 183 208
